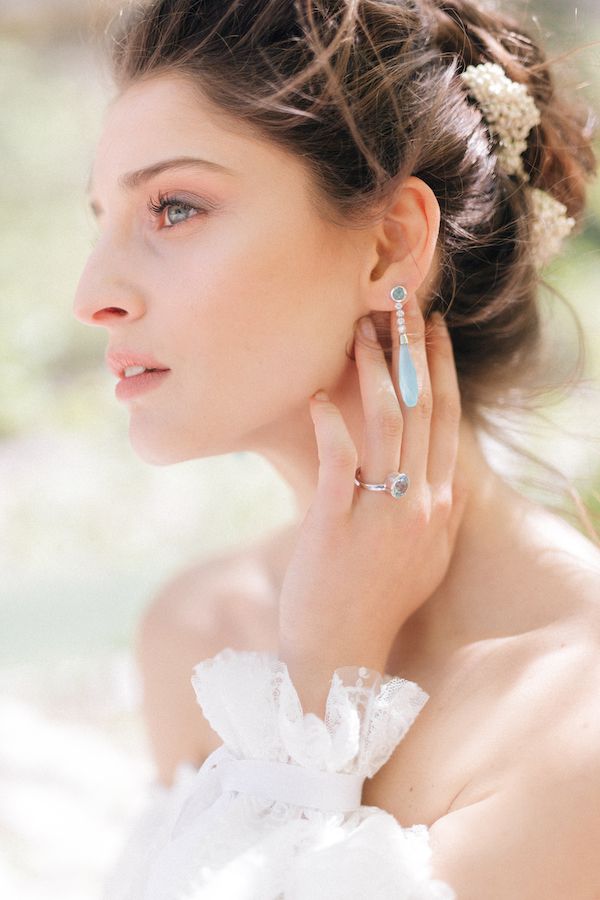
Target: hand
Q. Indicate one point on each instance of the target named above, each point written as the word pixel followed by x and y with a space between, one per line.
pixel 364 561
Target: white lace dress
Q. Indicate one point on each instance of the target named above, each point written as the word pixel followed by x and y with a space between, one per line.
pixel 274 813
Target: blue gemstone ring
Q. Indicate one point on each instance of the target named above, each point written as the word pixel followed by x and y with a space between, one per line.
pixel 396 484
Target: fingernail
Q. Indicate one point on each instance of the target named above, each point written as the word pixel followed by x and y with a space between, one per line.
pixel 367 328
pixel 322 396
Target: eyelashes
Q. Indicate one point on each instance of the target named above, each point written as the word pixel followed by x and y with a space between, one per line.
pixel 157 206
pixel 165 201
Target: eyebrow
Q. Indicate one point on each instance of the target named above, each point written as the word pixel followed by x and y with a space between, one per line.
pixel 132 180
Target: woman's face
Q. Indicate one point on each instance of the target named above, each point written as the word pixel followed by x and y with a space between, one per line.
pixel 238 287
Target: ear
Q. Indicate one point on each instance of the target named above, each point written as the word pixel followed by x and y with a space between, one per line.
pixel 403 244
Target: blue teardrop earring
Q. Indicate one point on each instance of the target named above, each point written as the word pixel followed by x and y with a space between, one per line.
pixel 406 375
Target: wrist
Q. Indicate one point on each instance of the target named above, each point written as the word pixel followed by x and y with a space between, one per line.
pixel 311 672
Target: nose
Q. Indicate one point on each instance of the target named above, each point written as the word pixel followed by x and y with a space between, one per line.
pixel 105 294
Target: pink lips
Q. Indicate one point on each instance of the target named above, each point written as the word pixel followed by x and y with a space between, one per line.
pixel 118 361
pixel 139 384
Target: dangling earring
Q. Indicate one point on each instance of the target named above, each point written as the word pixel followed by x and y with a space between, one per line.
pixel 407 375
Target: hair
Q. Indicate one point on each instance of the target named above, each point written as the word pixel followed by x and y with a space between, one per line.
pixel 366 93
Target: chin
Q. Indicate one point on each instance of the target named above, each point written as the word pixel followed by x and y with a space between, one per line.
pixel 166 446
pixel 155 456
pixel 157 450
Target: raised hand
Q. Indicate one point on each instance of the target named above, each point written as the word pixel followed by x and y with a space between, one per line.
pixel 364 560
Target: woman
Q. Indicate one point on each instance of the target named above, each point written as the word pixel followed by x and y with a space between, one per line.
pixel 270 175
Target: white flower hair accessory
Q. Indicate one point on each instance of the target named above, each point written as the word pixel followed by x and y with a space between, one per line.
pixel 510 113
pixel 550 225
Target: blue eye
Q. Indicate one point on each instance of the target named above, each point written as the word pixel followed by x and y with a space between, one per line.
pixel 166 201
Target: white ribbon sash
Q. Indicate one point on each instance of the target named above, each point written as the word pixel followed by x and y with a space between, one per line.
pixel 286 782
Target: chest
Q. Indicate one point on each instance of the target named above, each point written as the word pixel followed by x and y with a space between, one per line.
pixel 425 774
pixel 488 710
pixel 430 765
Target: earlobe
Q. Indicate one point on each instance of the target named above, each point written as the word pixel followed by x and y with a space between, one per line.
pixel 406 237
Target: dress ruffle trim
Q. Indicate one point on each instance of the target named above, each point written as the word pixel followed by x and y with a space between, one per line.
pixel 223 833
pixel 249 700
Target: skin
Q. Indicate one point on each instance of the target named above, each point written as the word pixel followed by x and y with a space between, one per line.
pixel 203 295
pixel 507 642
pixel 259 284
pixel 222 298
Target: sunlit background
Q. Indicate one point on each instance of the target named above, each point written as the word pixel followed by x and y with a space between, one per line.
pixel 88 531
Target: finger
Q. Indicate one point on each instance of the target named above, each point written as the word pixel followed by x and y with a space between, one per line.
pixel 382 435
pixel 415 438
pixel 446 412
pixel 337 459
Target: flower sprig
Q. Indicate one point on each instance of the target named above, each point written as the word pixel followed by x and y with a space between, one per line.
pixel 510 113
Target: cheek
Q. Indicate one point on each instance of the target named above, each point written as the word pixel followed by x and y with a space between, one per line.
pixel 251 278
pixel 260 298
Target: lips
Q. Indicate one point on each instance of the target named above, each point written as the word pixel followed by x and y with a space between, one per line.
pixel 118 361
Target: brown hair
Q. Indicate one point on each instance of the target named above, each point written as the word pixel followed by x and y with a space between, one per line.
pixel 367 92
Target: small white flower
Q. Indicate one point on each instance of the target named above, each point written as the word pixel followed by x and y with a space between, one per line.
pixel 550 225
pixel 508 109
pixel 510 114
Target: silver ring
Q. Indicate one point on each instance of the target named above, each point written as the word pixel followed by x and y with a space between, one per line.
pixel 396 484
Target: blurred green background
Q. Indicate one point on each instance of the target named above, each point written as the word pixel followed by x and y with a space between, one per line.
pixel 88 532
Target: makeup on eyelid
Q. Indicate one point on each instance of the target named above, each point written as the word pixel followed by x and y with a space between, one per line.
pixel 165 200
pixel 157 201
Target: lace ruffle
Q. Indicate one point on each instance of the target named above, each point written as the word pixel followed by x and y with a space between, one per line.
pixel 249 699
pixel 218 842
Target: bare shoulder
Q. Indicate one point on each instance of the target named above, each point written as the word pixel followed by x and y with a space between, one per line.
pixel 538 687
pixel 557 635
pixel 527 737
pixel 225 601
pixel 495 840
pixel 231 596
pixel 565 654
pixel 565 564
pixel 523 688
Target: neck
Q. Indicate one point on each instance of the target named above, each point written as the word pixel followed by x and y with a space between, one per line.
pixel 463 607
pixel 290 445
pixel 450 615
